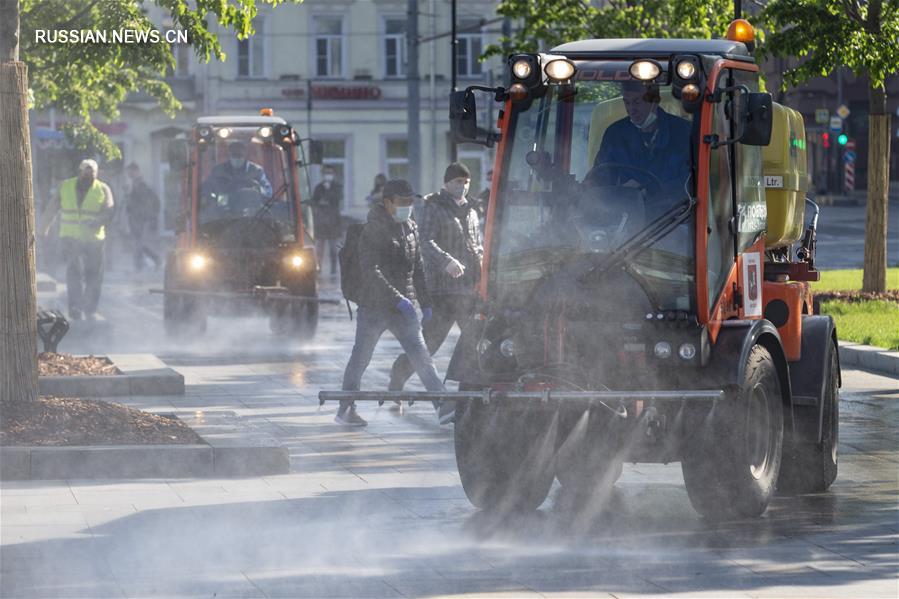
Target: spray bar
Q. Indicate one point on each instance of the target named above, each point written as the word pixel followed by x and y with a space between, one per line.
pixel 545 396
pixel 265 295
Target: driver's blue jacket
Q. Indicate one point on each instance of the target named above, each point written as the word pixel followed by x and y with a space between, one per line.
pixel 665 154
pixel 226 179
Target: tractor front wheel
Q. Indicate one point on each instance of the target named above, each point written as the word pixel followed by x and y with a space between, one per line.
pixel 504 456
pixel 732 460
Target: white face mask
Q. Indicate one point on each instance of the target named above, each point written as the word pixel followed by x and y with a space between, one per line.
pixel 402 213
pixel 329 178
pixel 457 190
pixel 650 119
pixel 237 162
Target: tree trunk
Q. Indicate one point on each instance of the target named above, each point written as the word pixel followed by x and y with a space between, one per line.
pixel 18 318
pixel 875 271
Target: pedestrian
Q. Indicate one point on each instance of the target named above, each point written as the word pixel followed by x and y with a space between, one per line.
pixel 142 208
pixel 452 250
pixel 377 190
pixel 85 206
pixel 392 279
pixel 326 201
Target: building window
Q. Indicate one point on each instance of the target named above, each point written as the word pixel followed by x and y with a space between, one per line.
pixel 396 157
pixel 394 47
pixel 469 48
pixel 251 52
pixel 328 47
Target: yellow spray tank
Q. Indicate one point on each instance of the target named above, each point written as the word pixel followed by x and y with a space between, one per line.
pixel 786 177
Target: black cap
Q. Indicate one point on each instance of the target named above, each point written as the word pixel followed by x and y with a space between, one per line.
pixel 456 170
pixel 398 188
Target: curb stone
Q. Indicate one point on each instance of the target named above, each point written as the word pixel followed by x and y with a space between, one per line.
pixel 869 357
pixel 141 374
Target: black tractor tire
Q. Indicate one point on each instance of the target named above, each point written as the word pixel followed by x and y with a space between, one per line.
pixel 812 467
pixel 588 457
pixel 732 459
pixel 504 456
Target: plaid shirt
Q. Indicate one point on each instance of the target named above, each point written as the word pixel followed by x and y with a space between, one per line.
pixel 448 232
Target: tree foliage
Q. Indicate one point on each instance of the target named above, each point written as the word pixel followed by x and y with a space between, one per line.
pixel 552 22
pixel 827 34
pixel 87 80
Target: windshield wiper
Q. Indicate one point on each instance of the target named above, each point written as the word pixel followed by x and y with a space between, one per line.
pixel 645 238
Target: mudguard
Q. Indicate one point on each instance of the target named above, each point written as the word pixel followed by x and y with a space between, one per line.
pixel 727 366
pixel 807 376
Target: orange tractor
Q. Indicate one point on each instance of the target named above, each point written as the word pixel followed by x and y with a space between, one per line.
pixel 654 311
pixel 244 243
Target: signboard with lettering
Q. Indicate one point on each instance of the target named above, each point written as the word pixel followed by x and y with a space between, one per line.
pixel 774 181
pixel 836 124
pixel 822 116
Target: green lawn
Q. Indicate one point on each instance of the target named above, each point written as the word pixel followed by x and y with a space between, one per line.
pixel 869 322
pixel 850 280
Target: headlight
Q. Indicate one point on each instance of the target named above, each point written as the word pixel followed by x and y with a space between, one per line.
pixel 662 350
pixel 690 92
pixel 283 130
pixel 686 69
pixel 204 132
pixel 265 132
pixel 507 348
pixel 645 70
pixel 518 92
pixel 198 262
pixel 224 132
pixel 296 261
pixel 522 69
pixel 687 351
pixel 559 69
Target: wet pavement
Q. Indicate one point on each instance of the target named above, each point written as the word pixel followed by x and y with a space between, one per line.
pixel 380 512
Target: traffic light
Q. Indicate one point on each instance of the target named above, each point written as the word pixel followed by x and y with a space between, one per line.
pixel 842 139
pixel 825 140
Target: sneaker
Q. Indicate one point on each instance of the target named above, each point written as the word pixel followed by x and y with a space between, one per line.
pixel 347 416
pixel 447 412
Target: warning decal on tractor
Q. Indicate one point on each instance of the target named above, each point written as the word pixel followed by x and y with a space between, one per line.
pixel 752 284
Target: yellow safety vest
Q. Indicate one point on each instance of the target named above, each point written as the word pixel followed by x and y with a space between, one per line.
pixel 75 222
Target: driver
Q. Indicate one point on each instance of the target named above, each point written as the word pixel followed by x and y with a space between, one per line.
pixel 237 173
pixel 648 139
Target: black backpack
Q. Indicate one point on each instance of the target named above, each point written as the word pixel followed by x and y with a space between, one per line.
pixel 350 269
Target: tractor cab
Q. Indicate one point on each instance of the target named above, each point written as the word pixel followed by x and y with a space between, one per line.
pixel 245 242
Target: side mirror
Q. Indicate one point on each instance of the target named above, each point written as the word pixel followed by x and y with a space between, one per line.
pixel 463 117
pixel 757 116
pixel 316 151
pixel 178 154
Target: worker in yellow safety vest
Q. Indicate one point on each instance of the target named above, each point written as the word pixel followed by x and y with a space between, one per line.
pixel 85 207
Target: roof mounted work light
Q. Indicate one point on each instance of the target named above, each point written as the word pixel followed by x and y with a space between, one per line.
pixel 645 70
pixel 525 69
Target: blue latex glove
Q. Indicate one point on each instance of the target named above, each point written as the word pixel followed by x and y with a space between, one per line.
pixel 426 314
pixel 406 307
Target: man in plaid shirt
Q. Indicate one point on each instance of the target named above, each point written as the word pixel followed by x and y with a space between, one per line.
pixel 452 249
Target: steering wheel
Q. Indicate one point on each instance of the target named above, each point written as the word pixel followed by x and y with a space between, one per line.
pixel 645 180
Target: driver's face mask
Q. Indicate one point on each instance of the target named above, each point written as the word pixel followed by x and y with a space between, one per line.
pixel 402 213
pixel 651 118
pixel 237 163
pixel 328 178
pixel 458 190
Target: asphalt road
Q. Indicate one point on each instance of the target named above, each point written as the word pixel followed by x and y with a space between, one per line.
pixel 841 236
pixel 380 512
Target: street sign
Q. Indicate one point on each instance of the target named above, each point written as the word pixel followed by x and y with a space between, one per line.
pixel 849 156
pixel 822 116
pixel 850 144
pixel 836 124
pixel 843 111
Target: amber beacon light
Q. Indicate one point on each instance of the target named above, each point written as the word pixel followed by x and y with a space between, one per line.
pixel 741 31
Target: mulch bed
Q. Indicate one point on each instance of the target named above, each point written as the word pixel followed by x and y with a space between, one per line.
pixel 50 364
pixel 891 295
pixel 64 421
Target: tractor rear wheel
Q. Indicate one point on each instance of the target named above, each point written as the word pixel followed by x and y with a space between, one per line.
pixel 732 459
pixel 504 456
pixel 812 467
pixel 587 458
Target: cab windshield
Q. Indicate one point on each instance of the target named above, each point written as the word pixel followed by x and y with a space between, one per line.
pixel 244 178
pixel 593 168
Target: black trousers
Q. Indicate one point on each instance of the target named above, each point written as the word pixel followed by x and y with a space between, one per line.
pixel 139 233
pixel 84 274
pixel 447 311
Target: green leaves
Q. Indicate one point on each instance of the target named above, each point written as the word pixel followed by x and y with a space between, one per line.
pixel 826 34
pixel 84 81
pixel 547 23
